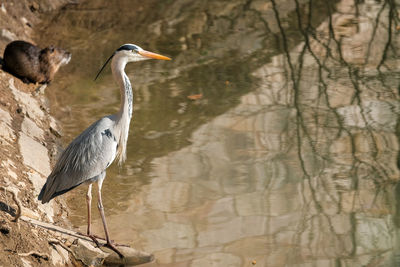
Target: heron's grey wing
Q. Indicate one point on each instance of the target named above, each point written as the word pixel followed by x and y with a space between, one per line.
pixel 87 156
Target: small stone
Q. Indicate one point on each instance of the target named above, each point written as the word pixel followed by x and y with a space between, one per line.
pixel 24 20
pixel 6 34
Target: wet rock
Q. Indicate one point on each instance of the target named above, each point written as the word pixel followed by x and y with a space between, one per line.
pixel 88 254
pixel 34 154
pixel 131 257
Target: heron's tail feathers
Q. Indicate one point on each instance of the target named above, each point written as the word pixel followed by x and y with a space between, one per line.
pixel 42 193
pixel 45 195
pixel 50 190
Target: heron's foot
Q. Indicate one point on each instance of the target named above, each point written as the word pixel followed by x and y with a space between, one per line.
pixel 111 246
pixel 95 240
pixel 98 244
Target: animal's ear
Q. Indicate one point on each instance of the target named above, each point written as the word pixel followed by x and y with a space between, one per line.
pixel 51 48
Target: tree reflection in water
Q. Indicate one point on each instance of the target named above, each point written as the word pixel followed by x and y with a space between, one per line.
pixel 301 169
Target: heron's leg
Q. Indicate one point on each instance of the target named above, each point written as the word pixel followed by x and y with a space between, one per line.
pixel 103 218
pixel 89 207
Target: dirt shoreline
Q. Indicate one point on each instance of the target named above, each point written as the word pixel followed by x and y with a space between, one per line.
pixel 29 138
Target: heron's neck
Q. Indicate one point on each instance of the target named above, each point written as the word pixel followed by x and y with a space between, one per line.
pixel 125 111
pixel 124 115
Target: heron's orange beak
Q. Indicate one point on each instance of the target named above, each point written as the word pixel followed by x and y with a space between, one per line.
pixel 153 55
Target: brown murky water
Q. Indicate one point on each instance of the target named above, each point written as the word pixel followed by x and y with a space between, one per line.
pixel 290 158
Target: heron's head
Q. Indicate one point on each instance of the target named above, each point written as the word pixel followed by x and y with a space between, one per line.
pixel 132 53
pixel 135 53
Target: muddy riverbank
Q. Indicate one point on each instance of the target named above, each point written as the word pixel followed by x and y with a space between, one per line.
pixel 30 232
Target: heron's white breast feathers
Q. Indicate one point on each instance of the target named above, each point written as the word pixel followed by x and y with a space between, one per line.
pixel 123 139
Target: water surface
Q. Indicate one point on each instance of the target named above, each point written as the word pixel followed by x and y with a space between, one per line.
pixel 289 158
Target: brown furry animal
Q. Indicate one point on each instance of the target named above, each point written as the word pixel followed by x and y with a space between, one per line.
pixel 32 64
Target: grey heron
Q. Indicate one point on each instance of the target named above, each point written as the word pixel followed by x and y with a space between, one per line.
pixel 87 157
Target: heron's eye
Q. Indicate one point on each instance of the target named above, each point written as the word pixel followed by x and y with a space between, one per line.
pixel 134 51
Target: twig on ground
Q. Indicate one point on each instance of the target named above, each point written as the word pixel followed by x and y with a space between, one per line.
pixel 17 202
pixel 35 254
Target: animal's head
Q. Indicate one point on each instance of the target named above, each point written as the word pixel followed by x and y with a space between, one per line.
pixel 56 56
pixel 51 59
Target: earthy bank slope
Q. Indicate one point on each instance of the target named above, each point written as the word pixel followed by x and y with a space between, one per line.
pixel 27 139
